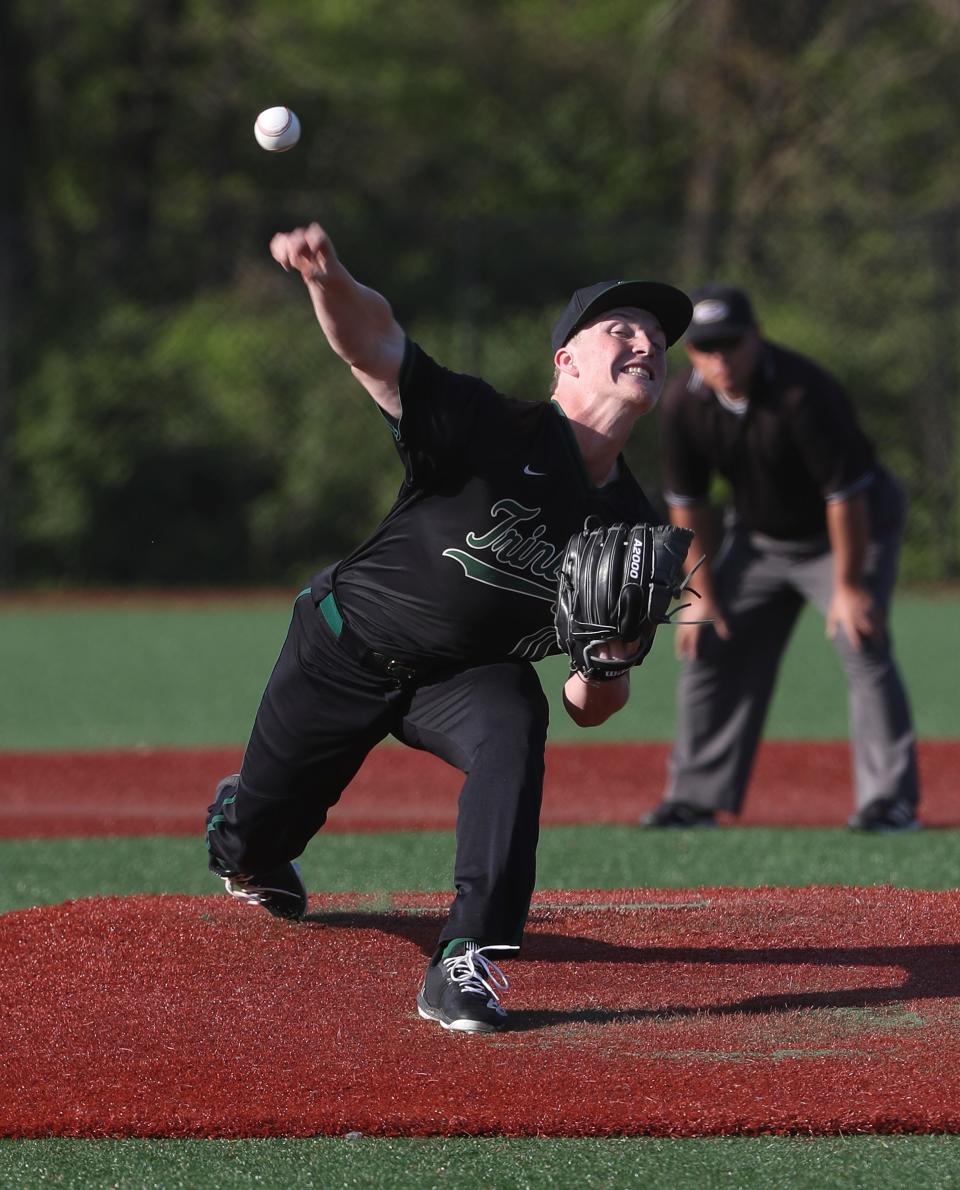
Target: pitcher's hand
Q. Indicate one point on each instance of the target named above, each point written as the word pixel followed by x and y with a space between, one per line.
pixel 309 250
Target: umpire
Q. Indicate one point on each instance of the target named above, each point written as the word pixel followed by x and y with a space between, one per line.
pixel 815 518
pixel 428 630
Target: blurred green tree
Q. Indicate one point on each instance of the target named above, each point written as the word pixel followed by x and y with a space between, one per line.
pixel 173 414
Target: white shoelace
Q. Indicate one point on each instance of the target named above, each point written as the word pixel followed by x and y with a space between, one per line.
pixel 475 973
pixel 236 886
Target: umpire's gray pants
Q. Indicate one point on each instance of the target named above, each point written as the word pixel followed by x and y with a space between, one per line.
pixel 724 694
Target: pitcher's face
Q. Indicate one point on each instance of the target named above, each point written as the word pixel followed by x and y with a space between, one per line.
pixel 622 351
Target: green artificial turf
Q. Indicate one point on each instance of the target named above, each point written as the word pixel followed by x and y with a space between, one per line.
pixel 48 871
pixel 118 676
pixel 731 1163
pixel 121 675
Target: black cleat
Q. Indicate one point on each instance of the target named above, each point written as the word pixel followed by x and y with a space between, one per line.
pixel 678 814
pixel 279 890
pixel 885 816
pixel 461 992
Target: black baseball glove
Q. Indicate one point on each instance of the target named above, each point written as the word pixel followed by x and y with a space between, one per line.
pixel 616 583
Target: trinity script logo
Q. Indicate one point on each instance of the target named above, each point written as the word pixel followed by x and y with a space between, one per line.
pixel 518 559
pixel 533 562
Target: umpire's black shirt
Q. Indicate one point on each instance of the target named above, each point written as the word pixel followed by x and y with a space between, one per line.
pixel 464 567
pixel 794 447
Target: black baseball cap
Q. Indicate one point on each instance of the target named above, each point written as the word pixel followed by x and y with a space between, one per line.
pixel 720 313
pixel 671 307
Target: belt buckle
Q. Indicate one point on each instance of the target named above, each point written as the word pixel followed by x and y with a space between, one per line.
pixel 396 670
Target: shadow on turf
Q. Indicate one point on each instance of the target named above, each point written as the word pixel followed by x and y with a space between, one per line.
pixel 932 972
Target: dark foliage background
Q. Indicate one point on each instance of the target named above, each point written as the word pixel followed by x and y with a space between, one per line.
pixel 169 412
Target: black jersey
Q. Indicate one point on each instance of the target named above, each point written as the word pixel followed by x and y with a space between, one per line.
pixel 464 566
pixel 796 446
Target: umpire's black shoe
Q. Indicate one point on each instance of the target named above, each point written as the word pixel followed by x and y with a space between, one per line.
pixel 461 991
pixel 885 816
pixel 279 890
pixel 678 814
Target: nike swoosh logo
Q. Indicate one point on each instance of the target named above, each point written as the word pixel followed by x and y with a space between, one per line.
pixel 528 470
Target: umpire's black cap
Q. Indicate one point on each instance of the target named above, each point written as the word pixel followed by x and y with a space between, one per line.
pixel 671 307
pixel 720 312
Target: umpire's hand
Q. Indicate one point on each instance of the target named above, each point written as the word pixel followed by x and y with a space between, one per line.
pixel 854 611
pixel 687 641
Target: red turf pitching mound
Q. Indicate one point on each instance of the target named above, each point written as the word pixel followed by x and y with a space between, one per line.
pixel 672 1013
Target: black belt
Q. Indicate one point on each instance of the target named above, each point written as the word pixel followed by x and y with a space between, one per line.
pixel 378 663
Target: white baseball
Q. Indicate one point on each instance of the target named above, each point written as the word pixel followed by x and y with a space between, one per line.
pixel 277 129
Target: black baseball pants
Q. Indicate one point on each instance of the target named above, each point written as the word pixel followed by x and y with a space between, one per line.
pixel 320 715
